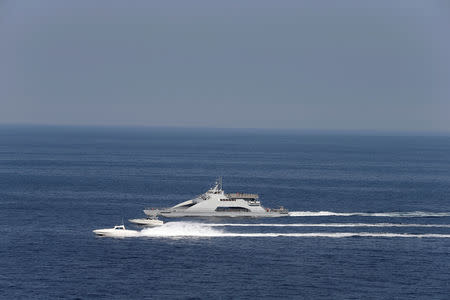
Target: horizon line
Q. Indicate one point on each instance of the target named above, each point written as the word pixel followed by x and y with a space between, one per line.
pixel 275 129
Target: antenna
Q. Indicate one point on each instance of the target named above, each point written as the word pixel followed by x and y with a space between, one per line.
pixel 220 183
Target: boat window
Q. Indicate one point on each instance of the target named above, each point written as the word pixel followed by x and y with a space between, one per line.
pixel 232 209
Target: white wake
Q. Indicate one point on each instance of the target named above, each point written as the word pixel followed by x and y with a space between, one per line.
pixel 181 229
pixel 331 225
pixel 338 235
pixel 191 229
pixel 411 214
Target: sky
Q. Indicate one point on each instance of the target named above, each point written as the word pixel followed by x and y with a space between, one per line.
pixel 325 65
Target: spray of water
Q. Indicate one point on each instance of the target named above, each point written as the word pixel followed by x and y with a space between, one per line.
pixel 181 229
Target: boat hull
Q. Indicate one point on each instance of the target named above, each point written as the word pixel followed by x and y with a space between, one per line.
pixel 224 214
pixel 115 233
pixel 147 222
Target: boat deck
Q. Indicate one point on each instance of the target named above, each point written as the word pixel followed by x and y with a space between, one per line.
pixel 242 196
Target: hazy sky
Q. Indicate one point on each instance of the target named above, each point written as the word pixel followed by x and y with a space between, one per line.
pixel 382 65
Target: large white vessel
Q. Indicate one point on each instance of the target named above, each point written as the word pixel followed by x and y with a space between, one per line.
pixel 215 203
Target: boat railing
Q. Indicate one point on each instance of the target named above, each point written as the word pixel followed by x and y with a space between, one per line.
pixel 242 196
pixel 152 212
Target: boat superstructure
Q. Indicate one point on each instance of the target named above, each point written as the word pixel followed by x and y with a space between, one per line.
pixel 216 203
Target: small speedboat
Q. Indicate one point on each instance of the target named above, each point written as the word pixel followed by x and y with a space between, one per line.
pixel 149 222
pixel 117 231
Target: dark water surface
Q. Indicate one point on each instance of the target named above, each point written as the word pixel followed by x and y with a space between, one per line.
pixel 348 194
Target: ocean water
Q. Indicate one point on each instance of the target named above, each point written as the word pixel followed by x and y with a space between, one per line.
pixel 370 215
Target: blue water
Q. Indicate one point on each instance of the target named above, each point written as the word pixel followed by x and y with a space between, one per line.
pixel 348 193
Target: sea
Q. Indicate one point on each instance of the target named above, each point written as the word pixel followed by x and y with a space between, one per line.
pixel 369 214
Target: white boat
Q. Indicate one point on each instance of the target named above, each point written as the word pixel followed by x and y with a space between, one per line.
pixel 117 231
pixel 149 222
pixel 216 203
